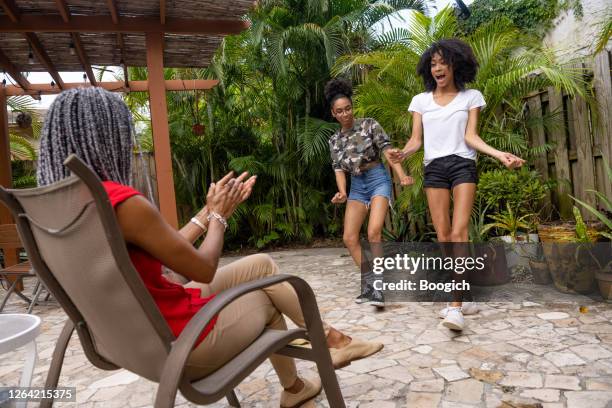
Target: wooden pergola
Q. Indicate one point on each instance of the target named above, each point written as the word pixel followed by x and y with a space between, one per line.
pixel 72 35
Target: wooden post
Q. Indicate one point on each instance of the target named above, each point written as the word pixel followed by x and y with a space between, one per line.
pixel 585 164
pixel 603 92
pixel 538 138
pixel 159 122
pixel 11 256
pixel 562 165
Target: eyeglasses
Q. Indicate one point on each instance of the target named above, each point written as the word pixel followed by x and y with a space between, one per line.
pixel 346 111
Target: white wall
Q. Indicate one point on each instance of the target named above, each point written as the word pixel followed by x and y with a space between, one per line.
pixel 572 37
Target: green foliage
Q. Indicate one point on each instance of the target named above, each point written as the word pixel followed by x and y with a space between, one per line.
pixel 581 228
pixel 508 222
pixel 604 214
pixel 530 16
pixel 522 190
pixel 605 33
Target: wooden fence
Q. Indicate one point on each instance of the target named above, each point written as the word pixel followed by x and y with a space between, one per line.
pixel 143 168
pixel 580 144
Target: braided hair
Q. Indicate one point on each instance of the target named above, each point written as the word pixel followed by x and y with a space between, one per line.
pixel 338 88
pixel 92 123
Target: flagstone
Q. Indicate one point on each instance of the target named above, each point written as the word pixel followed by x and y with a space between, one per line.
pixel 451 372
pixel 469 390
pixel 562 359
pixel 422 400
pixel 562 382
pixel 522 379
pixel 547 395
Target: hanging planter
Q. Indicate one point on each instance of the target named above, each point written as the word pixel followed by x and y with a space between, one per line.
pixel 198 129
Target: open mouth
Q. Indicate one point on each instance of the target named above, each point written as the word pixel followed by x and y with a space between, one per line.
pixel 440 77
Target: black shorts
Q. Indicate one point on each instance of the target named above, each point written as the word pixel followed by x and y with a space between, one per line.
pixel 449 171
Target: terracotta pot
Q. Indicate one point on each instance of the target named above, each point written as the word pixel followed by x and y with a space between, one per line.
pixel 604 281
pixel 540 272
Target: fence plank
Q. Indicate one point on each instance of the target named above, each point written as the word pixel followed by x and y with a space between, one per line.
pixel 562 164
pixel 538 138
pixel 585 176
pixel 602 82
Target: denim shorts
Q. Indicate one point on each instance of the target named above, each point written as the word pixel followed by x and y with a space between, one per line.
pixel 373 182
pixel 449 171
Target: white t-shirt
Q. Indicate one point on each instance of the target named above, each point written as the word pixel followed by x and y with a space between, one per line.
pixel 444 126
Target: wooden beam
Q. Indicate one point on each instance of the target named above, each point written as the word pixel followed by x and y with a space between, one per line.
pixel 103 24
pixel 76 39
pixel 11 256
pixel 159 125
pixel 162 11
pixel 5 156
pixel 10 9
pixel 112 7
pixel 115 86
pixel 80 50
pixel 63 9
pixel 43 58
pixel 13 71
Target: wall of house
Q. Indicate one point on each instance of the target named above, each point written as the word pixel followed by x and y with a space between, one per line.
pixel 574 37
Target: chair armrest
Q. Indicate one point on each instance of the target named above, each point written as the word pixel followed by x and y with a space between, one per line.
pixel 172 374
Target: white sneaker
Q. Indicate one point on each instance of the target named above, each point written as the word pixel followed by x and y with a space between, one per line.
pixel 454 319
pixel 467 308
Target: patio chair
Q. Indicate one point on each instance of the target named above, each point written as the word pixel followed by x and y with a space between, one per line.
pixel 73 240
pixel 14 275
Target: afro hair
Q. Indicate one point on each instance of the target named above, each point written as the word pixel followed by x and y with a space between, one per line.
pixel 455 53
pixel 338 88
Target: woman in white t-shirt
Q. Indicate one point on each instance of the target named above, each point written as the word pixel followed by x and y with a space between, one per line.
pixel 446 119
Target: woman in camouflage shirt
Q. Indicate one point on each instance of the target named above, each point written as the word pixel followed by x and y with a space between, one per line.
pixel 356 149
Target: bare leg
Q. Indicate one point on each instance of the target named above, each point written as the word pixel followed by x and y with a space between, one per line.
pixel 463 200
pixel 354 217
pixel 378 211
pixel 438 200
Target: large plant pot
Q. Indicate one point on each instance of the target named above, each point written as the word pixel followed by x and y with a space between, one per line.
pixel 540 272
pixel 604 282
pixel 520 251
pixel 566 231
pixel 571 267
pixel 496 270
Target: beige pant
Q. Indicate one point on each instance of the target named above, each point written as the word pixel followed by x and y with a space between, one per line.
pixel 243 320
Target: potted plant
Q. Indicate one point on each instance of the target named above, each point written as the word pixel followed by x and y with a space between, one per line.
pixel 522 191
pixel 518 247
pixel 495 271
pixel 573 263
pixel 603 275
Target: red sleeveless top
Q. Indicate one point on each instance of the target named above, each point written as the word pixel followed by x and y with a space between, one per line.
pixel 176 303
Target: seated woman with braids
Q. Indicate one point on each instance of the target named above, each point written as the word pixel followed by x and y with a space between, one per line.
pixel 96 126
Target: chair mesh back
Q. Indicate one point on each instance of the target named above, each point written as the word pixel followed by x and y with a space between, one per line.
pixel 72 241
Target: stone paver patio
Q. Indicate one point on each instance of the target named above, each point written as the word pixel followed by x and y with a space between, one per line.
pixel 546 353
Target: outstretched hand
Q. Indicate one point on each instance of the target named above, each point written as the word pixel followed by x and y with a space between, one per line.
pixel 510 161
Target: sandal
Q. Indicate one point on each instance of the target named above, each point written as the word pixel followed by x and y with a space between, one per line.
pixel 355 350
pixel 311 389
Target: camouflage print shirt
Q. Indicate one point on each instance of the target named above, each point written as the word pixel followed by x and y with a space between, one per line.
pixel 354 148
